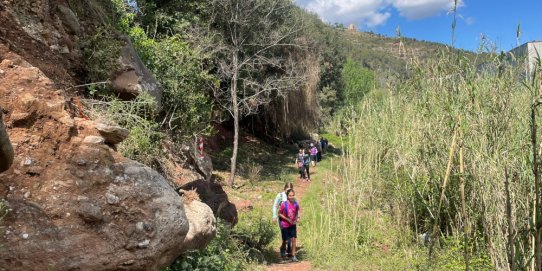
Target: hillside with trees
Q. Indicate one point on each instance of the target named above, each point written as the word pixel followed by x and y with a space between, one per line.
pixel 160 131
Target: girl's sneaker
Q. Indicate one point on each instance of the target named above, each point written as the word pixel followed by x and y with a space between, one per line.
pixel 283 253
pixel 294 259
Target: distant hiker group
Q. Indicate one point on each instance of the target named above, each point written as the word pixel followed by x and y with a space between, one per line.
pixel 308 155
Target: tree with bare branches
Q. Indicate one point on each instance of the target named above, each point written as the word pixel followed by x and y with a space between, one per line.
pixel 258 57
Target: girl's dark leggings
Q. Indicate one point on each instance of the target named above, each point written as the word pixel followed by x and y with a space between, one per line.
pixel 302 172
pixel 307 169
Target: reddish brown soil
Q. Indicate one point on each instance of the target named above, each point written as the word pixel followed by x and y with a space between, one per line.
pixel 242 204
pixel 299 266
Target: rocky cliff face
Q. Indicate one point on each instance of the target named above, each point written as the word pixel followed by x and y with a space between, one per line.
pixel 50 35
pixel 75 203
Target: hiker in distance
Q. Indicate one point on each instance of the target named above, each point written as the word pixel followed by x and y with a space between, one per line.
pixel 279 199
pixel 289 213
pixel 314 154
pixel 299 162
pixel 320 151
pixel 307 164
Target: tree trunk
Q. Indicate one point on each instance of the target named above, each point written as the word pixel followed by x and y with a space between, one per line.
pixel 235 109
pixel 6 151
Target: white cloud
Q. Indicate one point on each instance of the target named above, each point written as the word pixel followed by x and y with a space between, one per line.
pixel 419 9
pixel 470 20
pixel 377 19
pixel 375 12
pixel 365 12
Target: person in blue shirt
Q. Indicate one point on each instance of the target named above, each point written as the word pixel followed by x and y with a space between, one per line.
pixel 307 164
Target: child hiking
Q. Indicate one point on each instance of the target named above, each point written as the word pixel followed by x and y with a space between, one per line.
pixel 307 164
pixel 314 154
pixel 300 164
pixel 279 199
pixel 289 213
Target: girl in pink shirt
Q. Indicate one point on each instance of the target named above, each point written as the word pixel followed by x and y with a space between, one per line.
pixel 289 217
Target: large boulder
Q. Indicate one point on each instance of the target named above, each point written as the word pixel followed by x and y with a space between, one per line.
pixel 69 19
pixel 212 194
pixel 93 214
pixel 73 202
pixel 132 76
pixel 202 225
pixel 6 151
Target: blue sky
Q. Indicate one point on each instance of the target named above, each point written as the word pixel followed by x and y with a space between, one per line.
pixel 431 20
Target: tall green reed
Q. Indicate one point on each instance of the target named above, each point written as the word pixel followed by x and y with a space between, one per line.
pixel 397 154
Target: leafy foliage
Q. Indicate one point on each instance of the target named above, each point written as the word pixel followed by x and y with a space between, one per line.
pixel 223 253
pixel 450 257
pixel 143 143
pixel 125 14
pixel 179 69
pixel 329 102
pixel 101 52
pixel 358 81
pixel 177 64
pixel 232 249
pixel 255 233
pixel 164 18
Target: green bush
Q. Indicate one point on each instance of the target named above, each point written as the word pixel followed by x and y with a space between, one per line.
pixel 101 52
pixel 223 253
pixel 179 68
pixel 232 249
pixel 143 143
pixel 358 81
pixel 450 257
pixel 255 232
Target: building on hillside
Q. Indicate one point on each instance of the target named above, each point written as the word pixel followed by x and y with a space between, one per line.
pixel 352 28
pixel 529 53
pixel 525 55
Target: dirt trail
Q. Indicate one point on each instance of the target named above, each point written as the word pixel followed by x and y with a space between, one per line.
pixel 301 188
